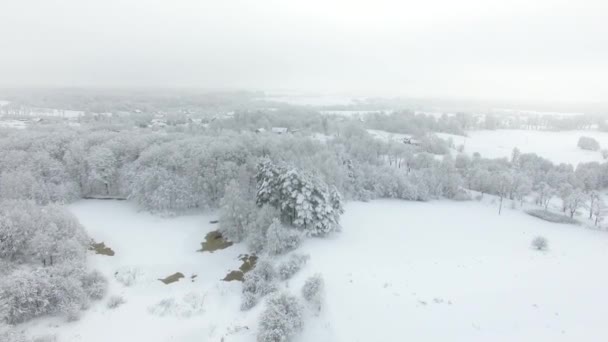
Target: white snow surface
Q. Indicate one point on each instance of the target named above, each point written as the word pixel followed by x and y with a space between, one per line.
pixel 559 147
pixel 399 271
pixel 17 124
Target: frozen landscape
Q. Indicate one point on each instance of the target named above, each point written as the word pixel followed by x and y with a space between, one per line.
pixel 312 171
pixel 557 146
pixel 499 287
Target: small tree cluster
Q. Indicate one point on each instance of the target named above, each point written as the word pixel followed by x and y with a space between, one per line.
pixel 43 250
pixel 281 320
pixel 61 289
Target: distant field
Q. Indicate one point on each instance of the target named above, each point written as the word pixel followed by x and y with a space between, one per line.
pixel 559 147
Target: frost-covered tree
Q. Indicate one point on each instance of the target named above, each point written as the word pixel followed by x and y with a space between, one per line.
pixel 544 195
pixel 575 201
pixel 565 191
pixel 102 166
pixel 593 197
pixel 281 320
pixel 237 213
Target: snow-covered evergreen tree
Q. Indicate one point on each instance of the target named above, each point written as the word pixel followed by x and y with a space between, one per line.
pixel 303 200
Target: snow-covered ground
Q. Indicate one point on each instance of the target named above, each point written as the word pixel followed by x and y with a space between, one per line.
pixel 399 271
pixel 559 147
pixel 155 247
pixel 18 124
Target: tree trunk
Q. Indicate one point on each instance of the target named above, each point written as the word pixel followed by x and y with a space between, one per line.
pixel 500 206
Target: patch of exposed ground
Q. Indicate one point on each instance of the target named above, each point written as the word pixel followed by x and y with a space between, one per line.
pixel 101 248
pixel 214 241
pixel 172 278
pixel 247 265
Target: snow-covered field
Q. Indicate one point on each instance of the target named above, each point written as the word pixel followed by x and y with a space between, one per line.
pixel 399 271
pixel 18 124
pixel 559 147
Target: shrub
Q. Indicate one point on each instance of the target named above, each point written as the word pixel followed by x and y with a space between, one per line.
pixel 540 243
pixel 281 239
pixel 115 301
pixel 128 275
pixel 281 319
pixel 312 290
pixel 258 283
pixel 292 265
pixel 95 284
pixel 588 143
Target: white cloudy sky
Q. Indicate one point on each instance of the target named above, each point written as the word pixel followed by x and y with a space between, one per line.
pixel 485 49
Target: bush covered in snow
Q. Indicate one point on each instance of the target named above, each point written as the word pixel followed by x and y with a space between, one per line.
pixel 115 301
pixel 292 265
pixel 540 243
pixel 281 320
pixel 281 239
pixel 312 290
pixel 64 289
pixel 258 283
pixel 588 143
pixel 128 275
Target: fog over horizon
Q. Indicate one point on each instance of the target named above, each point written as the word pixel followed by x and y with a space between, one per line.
pixel 548 51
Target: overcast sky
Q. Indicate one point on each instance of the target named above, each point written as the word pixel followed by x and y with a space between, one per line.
pixel 480 49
